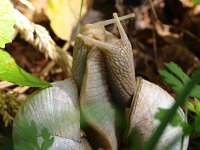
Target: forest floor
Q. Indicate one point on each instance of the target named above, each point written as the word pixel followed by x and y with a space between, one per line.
pixel 162 31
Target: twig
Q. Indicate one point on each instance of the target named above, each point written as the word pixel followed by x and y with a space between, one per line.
pixel 5 84
pixel 47 69
pixel 21 89
pixel 187 33
pixel 155 19
pixel 153 10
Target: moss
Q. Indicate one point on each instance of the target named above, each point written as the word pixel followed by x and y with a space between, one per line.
pixel 8 106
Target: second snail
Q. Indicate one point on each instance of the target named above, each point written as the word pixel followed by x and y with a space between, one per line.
pixel 103 82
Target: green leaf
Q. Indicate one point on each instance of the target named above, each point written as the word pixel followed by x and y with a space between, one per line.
pixel 187 128
pixel 134 139
pixel 194 107
pixel 197 2
pixel 7 22
pixel 11 72
pixel 171 80
pixel 195 91
pixel 176 70
pixel 28 136
pixel 47 139
pixel 197 104
pixel 177 79
pixel 190 106
pixel 194 127
pixel 197 124
pixel 175 121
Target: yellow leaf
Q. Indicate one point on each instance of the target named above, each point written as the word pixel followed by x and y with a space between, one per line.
pixel 64 15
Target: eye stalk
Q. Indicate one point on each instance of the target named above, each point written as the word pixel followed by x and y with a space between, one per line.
pixel 120 28
pixel 111 21
pixel 97 40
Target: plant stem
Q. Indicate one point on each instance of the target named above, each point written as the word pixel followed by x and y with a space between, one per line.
pixel 79 19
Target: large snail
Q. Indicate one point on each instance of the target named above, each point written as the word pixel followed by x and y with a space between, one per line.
pixel 103 80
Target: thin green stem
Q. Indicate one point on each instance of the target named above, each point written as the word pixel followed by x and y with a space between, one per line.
pixel 79 19
pixel 180 100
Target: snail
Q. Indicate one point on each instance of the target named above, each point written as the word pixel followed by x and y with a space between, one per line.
pixel 119 60
pixel 103 79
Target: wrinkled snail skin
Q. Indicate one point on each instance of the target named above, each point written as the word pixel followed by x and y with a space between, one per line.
pixel 95 101
pixel 81 49
pixel 80 52
pixel 119 62
pixel 147 101
pixel 119 79
pixel 57 109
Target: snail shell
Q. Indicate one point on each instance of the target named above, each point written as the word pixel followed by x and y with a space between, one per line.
pixel 147 101
pixel 57 109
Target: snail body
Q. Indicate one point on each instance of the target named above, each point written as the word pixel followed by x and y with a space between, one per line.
pixel 95 101
pixel 119 61
pixel 78 67
pixel 103 78
pixel 81 51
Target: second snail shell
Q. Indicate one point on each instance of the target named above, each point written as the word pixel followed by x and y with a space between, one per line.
pixel 147 101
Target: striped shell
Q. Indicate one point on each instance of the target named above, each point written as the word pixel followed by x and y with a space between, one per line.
pixel 147 101
pixel 55 108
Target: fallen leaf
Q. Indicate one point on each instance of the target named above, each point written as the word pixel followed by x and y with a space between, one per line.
pixel 64 15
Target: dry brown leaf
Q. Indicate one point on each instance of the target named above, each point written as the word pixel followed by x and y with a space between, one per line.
pixel 64 15
pixel 188 3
